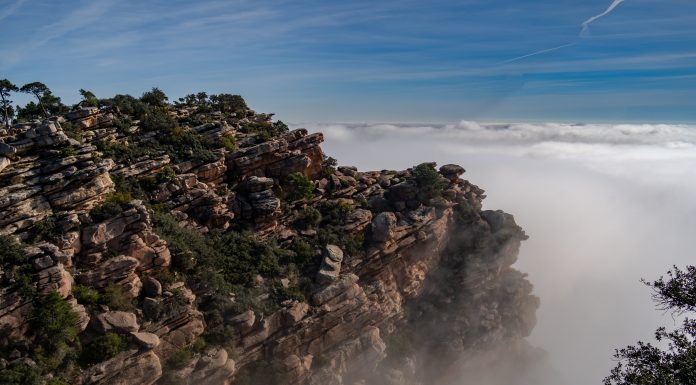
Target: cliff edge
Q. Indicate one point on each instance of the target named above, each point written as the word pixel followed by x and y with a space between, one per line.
pixel 205 243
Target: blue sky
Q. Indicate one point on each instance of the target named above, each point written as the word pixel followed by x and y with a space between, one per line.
pixel 405 60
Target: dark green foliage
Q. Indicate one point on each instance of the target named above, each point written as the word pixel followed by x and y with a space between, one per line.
pixel 114 205
pixel 673 362
pixel 6 108
pixel 86 295
pixel 44 229
pixel 57 381
pixel 179 360
pixel 116 299
pixel 102 348
pixel 328 167
pixel 308 218
pixel 127 105
pixel 88 99
pixel 11 252
pixel 184 145
pixel 155 119
pixel 330 231
pixel 238 258
pixel 227 103
pixel 72 130
pixel 428 179
pixel 155 98
pixel 67 151
pixel 166 174
pixel 39 90
pixel 53 322
pixel 281 294
pixel 123 124
pixel 128 154
pixel 304 252
pixel 676 292
pixel 266 130
pixel 20 374
pixel 298 187
pixel 229 143
pixel 14 260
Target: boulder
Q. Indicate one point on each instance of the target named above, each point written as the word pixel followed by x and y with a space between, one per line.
pixel 119 321
pixel 452 171
pixel 152 287
pixel 146 340
pixel 331 265
pixel 383 226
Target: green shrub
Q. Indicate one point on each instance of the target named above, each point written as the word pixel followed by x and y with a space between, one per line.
pixel 166 174
pixel 72 130
pixel 57 381
pixel 68 151
pixel 86 295
pixel 328 167
pixel 54 323
pixel 298 187
pixel 11 252
pixel 13 259
pixel 308 218
pixel 229 143
pixel 428 179
pixel 179 360
pixel 114 205
pixel 116 299
pixel 44 229
pixel 103 348
pixel 304 252
pixel 20 374
pixel 281 294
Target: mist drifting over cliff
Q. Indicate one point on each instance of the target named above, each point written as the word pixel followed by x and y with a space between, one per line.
pixel 604 205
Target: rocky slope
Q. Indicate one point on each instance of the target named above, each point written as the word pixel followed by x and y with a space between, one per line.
pixel 203 243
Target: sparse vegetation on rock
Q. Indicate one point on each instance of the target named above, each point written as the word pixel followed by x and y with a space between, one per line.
pixel 150 242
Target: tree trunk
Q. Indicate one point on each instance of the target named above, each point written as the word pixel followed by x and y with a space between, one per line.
pixel 42 106
pixel 7 118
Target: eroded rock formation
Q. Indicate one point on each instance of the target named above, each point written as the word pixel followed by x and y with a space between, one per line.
pixel 384 277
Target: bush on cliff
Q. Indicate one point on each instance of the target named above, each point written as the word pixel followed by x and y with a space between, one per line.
pixel 14 261
pixel 102 348
pixel 298 187
pixel 54 325
pixel 114 205
pixel 20 374
pixel 428 179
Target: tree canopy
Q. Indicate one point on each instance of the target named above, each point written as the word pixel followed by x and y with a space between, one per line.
pixel 674 361
pixel 6 87
pixel 39 90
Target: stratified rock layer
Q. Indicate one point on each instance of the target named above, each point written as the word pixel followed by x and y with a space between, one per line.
pixel 430 268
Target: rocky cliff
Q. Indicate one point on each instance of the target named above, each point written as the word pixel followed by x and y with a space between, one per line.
pixel 204 243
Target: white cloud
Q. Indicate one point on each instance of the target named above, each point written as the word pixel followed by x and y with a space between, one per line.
pixel 604 204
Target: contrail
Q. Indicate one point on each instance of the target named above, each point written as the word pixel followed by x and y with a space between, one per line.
pixel 586 24
pixel 585 29
pixel 538 53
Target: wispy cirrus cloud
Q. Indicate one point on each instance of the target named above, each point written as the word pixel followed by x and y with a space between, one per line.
pixel 9 11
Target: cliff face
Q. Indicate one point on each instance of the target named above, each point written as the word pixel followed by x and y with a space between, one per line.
pixel 385 277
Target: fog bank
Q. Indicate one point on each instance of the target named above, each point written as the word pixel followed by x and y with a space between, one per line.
pixel 604 205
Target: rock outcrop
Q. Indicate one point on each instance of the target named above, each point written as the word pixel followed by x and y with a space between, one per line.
pixel 179 242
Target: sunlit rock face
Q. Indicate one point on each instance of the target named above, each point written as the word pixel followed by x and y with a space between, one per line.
pixel 250 257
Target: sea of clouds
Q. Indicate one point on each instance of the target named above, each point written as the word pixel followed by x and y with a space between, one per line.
pixel 604 204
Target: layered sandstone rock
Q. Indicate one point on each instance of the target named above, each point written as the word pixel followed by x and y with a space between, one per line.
pixel 397 262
